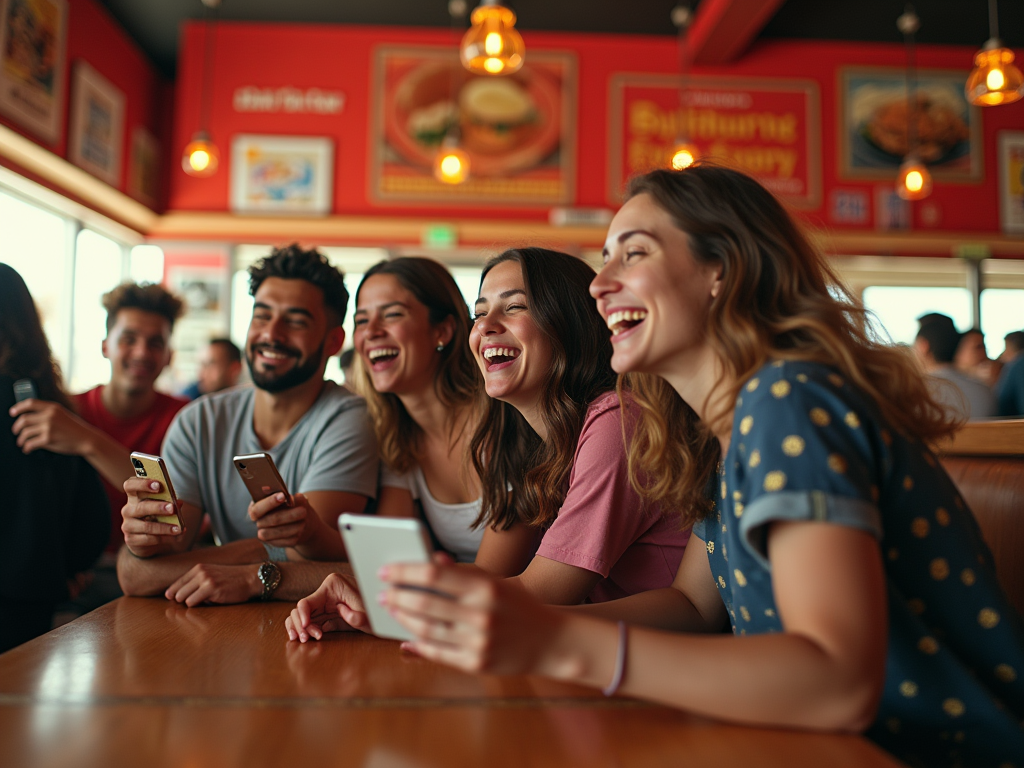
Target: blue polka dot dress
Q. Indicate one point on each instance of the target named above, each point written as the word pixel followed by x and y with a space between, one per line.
pixel 806 445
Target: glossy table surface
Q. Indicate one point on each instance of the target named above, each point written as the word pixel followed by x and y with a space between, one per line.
pixel 143 682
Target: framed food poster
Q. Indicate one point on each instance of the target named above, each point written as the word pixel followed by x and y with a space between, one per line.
pixel 873 135
pixel 282 174
pixel 1011 181
pixel 32 52
pixel 95 141
pixel 519 130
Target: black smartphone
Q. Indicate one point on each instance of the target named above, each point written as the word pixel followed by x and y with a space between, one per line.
pixel 25 389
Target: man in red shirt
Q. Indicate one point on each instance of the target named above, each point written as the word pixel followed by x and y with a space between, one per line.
pixel 127 414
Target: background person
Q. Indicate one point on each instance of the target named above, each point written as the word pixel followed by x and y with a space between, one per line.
pixel 972 359
pixel 549 452
pixel 220 366
pixel 854 578
pixel 112 420
pixel 935 346
pixel 56 517
pixel 1010 387
pixel 316 431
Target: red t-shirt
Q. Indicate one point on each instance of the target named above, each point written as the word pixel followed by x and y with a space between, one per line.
pixel 144 433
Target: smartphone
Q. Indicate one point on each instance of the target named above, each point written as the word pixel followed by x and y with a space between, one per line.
pixel 153 467
pixel 373 541
pixel 260 476
pixel 24 389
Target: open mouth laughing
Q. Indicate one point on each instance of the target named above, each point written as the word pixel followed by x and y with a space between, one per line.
pixel 381 357
pixel 622 320
pixel 498 357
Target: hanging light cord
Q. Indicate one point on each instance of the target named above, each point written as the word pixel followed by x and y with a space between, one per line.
pixel 457 10
pixel 993 20
pixel 908 24
pixel 206 96
pixel 681 17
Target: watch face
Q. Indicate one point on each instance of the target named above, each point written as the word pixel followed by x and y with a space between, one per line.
pixel 270 576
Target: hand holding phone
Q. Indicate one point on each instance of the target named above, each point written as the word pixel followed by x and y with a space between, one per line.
pixel 260 475
pixel 373 542
pixel 153 468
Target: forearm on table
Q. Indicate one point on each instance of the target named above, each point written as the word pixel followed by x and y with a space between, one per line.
pixel 301 579
pixel 780 679
pixel 142 577
pixel 666 609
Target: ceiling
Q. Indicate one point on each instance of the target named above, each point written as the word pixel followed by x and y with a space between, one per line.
pixel 154 24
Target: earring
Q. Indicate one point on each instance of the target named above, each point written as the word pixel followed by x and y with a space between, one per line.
pixel 440 347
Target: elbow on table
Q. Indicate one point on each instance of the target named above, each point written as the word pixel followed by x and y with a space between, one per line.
pixel 132 578
pixel 851 709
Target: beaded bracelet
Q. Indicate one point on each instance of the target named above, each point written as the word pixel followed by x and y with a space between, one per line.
pixel 620 662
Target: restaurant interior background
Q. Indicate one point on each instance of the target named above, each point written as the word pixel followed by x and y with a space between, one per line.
pixel 327 117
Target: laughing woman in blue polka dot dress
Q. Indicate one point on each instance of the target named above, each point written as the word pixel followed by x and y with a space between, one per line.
pixel 860 594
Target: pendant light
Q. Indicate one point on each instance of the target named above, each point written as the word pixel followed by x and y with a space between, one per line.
pixel 994 80
pixel 451 164
pixel 492 46
pixel 201 155
pixel 914 182
pixel 684 153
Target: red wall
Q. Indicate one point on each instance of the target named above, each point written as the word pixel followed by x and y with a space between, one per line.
pixel 341 58
pixel 95 37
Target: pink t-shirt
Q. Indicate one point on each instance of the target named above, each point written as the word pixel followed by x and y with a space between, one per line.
pixel 602 525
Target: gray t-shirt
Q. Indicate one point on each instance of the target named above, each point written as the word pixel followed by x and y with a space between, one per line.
pixel 962 394
pixel 331 448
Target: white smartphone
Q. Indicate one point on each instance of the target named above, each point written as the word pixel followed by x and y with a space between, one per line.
pixel 260 475
pixel 372 542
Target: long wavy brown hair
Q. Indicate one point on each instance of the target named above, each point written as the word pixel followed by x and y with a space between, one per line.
pixel 775 303
pixel 524 478
pixel 457 382
pixel 24 351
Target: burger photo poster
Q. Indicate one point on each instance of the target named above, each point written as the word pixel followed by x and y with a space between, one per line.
pixel 517 130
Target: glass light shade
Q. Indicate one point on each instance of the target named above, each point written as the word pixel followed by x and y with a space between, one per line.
pixel 914 181
pixel 451 165
pixel 201 156
pixel 683 155
pixel 492 46
pixel 994 80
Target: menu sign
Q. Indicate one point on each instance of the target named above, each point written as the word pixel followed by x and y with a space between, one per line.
pixel 767 128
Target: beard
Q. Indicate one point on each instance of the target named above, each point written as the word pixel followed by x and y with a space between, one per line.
pixel 271 381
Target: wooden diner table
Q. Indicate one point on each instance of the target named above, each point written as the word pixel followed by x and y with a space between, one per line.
pixel 145 682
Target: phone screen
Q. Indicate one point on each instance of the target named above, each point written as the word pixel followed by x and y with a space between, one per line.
pixel 372 542
pixel 24 389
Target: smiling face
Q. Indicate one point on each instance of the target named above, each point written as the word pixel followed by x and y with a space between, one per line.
pixel 138 347
pixel 394 337
pixel 289 340
pixel 512 351
pixel 652 292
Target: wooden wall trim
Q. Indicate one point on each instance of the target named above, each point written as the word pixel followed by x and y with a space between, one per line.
pixel 987 438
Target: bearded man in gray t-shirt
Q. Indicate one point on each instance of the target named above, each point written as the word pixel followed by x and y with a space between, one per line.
pixel 318 434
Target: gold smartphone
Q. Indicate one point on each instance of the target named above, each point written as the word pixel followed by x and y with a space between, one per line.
pixel 260 475
pixel 153 467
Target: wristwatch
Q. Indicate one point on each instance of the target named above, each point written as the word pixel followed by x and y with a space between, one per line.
pixel 270 577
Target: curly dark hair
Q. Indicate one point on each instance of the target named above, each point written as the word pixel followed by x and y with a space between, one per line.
pixel 294 263
pixel 149 297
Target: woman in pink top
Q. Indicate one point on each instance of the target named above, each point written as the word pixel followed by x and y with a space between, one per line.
pixel 551 450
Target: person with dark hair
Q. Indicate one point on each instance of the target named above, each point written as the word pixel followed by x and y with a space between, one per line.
pixel 219 368
pixel 859 591
pixel 548 451
pixel 346 362
pixel 971 358
pixel 936 346
pixel 316 432
pixel 56 517
pixel 1010 386
pixel 111 420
